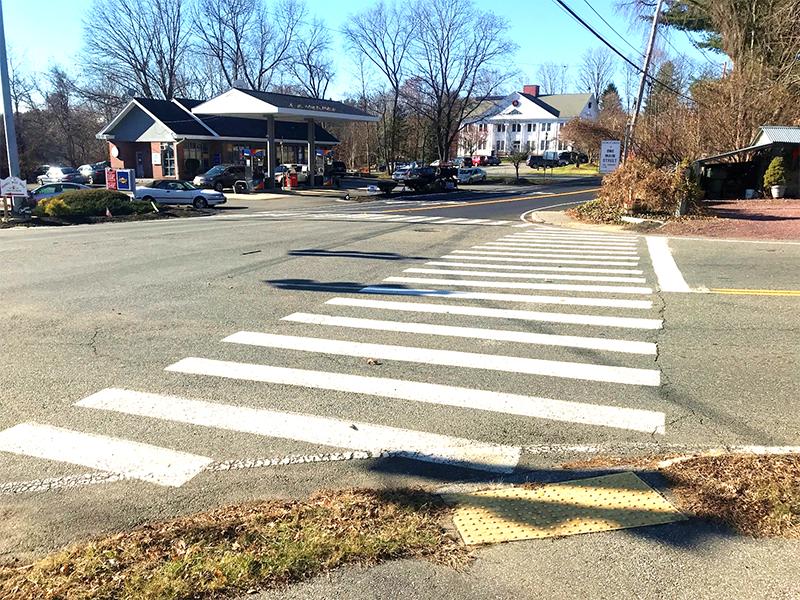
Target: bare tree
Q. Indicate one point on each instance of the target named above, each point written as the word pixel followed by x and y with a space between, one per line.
pixel 311 64
pixel 149 54
pixel 471 138
pixel 460 56
pixel 20 80
pixel 382 35
pixel 245 39
pixel 553 77
pixel 597 70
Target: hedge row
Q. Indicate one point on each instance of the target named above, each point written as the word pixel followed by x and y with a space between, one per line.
pixel 90 203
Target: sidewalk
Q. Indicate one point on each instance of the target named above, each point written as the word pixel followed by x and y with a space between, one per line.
pixel 761 219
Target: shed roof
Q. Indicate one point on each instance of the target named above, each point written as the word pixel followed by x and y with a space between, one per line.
pixel 775 134
pixel 173 116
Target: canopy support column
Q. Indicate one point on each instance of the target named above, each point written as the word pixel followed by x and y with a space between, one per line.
pixel 312 154
pixel 270 182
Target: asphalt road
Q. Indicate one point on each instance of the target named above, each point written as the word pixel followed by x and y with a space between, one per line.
pixel 117 351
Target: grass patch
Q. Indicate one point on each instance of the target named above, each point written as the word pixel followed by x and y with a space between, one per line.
pixel 757 495
pixel 243 547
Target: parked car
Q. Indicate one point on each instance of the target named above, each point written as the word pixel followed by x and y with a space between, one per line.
pixel 493 161
pixel 463 161
pixel 574 157
pixel 436 163
pixel 282 172
pixel 53 189
pixel 471 175
pixel 401 173
pixel 94 173
pixel 338 169
pixel 220 177
pixel 61 175
pixel 548 160
pixel 178 192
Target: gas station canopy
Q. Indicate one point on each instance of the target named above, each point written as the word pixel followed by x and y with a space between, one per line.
pixel 261 105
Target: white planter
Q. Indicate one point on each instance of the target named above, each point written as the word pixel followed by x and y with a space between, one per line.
pixel 778 191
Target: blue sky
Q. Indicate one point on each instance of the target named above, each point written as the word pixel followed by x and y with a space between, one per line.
pixel 51 30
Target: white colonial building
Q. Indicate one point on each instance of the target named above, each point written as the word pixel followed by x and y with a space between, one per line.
pixel 524 122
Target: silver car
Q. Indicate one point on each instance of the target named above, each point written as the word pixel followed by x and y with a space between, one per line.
pixel 61 175
pixel 168 191
pixel 471 175
pixel 53 189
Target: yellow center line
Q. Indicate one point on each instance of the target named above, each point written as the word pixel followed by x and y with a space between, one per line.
pixel 795 293
pixel 492 201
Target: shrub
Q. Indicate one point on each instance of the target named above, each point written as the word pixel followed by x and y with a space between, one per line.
pixel 88 203
pixel 776 173
pixel 654 190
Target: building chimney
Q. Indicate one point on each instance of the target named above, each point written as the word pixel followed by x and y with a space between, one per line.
pixel 532 90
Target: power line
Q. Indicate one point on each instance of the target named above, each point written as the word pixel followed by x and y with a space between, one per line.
pixel 652 79
pixel 697 47
pixel 619 35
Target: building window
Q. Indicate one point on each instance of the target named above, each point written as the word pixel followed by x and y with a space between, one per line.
pixel 483 127
pixel 515 146
pixel 548 126
pixel 168 159
pixel 590 105
pixel 501 127
pixel 530 127
pixel 516 127
pixel 500 145
pixel 541 145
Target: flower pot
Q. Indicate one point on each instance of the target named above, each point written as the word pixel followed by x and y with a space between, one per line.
pixel 778 191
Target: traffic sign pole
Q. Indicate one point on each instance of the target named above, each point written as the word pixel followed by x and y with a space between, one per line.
pixel 8 114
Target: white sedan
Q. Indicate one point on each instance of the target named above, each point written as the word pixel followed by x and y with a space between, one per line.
pixel 178 192
pixel 471 175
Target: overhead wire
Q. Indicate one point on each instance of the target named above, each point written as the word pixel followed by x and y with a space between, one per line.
pixel 638 69
pixel 619 35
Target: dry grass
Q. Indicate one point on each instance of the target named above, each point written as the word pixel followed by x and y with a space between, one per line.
pixel 758 495
pixel 242 547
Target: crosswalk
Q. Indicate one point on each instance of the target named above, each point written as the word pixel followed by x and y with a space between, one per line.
pixel 548 307
pixel 385 211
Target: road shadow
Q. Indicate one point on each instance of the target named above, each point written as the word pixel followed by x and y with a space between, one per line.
pixel 693 534
pixel 354 254
pixel 337 287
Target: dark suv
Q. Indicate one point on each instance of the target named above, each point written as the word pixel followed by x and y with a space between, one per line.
pixel 220 177
pixel 338 168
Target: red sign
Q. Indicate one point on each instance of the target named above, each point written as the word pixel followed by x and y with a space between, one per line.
pixel 111 179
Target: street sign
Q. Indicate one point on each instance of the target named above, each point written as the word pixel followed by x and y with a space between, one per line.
pixel 13 186
pixel 609 156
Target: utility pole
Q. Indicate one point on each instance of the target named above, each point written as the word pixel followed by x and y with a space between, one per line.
pixel 632 124
pixel 8 114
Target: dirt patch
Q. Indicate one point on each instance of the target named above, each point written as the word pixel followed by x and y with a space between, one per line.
pixel 743 219
pixel 242 548
pixel 757 495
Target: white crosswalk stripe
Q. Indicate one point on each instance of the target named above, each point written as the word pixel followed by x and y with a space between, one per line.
pixel 514 257
pixel 553 250
pixel 552 268
pixel 511 285
pixel 307 428
pixel 521 337
pixel 451 358
pixel 561 300
pixel 548 275
pixel 543 408
pixel 501 313
pixel 131 459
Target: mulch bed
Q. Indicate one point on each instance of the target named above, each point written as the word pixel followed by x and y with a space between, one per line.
pixel 743 219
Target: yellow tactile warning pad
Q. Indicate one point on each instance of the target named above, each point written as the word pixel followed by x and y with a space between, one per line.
pixel 619 501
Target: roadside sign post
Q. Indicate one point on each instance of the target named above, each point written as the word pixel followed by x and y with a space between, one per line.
pixel 8 114
pixel 12 188
pixel 609 156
